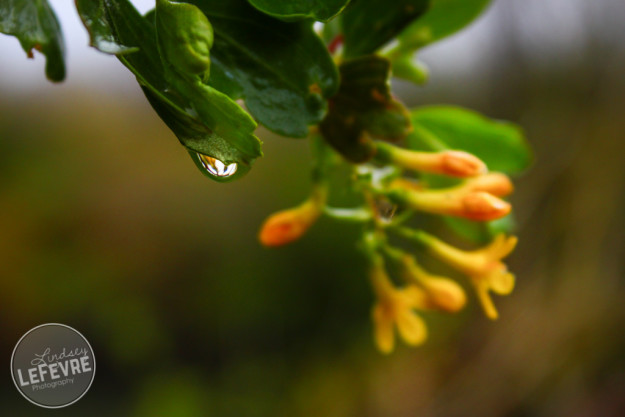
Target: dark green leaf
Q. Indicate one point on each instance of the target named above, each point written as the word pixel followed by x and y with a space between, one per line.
pixel 501 145
pixel 204 119
pixel 122 27
pixel 322 10
pixel 282 70
pixel 93 15
pixel 480 232
pixel 364 109
pixel 444 18
pixel 185 37
pixel 370 24
pixel 35 25
pixel 197 138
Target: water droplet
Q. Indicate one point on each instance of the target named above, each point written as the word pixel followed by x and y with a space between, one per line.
pixel 217 168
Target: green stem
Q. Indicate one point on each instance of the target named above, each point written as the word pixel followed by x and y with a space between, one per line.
pixel 352 215
pixel 420 237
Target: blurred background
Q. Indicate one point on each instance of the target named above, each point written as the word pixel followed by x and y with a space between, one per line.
pixel 107 226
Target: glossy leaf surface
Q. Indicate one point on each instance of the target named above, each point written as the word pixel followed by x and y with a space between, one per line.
pixel 203 119
pixel 321 10
pixel 501 145
pixel 282 70
pixel 370 24
pixel 443 18
pixel 35 25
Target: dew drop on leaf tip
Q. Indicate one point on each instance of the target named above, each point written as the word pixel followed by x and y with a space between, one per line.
pixel 216 167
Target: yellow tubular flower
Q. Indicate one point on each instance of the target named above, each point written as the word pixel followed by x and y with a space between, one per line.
pixel 457 201
pixel 289 225
pixel 452 163
pixel 482 266
pixel 494 183
pixel 442 293
pixel 395 306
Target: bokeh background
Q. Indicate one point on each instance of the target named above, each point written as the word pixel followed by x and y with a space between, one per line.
pixel 107 226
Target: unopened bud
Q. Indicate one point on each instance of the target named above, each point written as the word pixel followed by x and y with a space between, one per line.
pixel 289 225
pixel 483 206
pixel 495 183
pixel 452 163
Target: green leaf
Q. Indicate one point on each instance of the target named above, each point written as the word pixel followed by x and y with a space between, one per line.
pixel 93 15
pixel 197 138
pixel 185 37
pixel 321 10
pixel 444 18
pixel 370 24
pixel 204 119
pixel 35 25
pixel 282 70
pixel 364 109
pixel 501 145
pixel 480 232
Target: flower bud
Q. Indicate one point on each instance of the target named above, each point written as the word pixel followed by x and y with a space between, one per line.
pixel 475 205
pixel 483 206
pixel 452 163
pixel 441 293
pixel 495 183
pixel 460 164
pixel 289 225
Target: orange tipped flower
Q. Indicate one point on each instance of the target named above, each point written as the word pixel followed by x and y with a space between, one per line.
pixel 452 163
pixel 482 266
pixel 442 293
pixel 494 183
pixel 457 201
pixel 289 225
pixel 483 206
pixel 460 164
pixel 395 306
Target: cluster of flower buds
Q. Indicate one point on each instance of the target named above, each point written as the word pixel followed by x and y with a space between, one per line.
pixel 476 196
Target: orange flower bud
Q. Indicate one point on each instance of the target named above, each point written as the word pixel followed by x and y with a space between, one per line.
pixel 494 183
pixel 452 163
pixel 460 164
pixel 474 205
pixel 289 225
pixel 441 293
pixel 483 206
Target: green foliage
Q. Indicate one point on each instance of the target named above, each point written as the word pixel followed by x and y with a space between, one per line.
pixel 444 18
pixel 364 109
pixel 214 69
pixel 35 25
pixel 501 145
pixel 185 37
pixel 282 69
pixel 203 119
pixel 321 10
pixel 369 24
